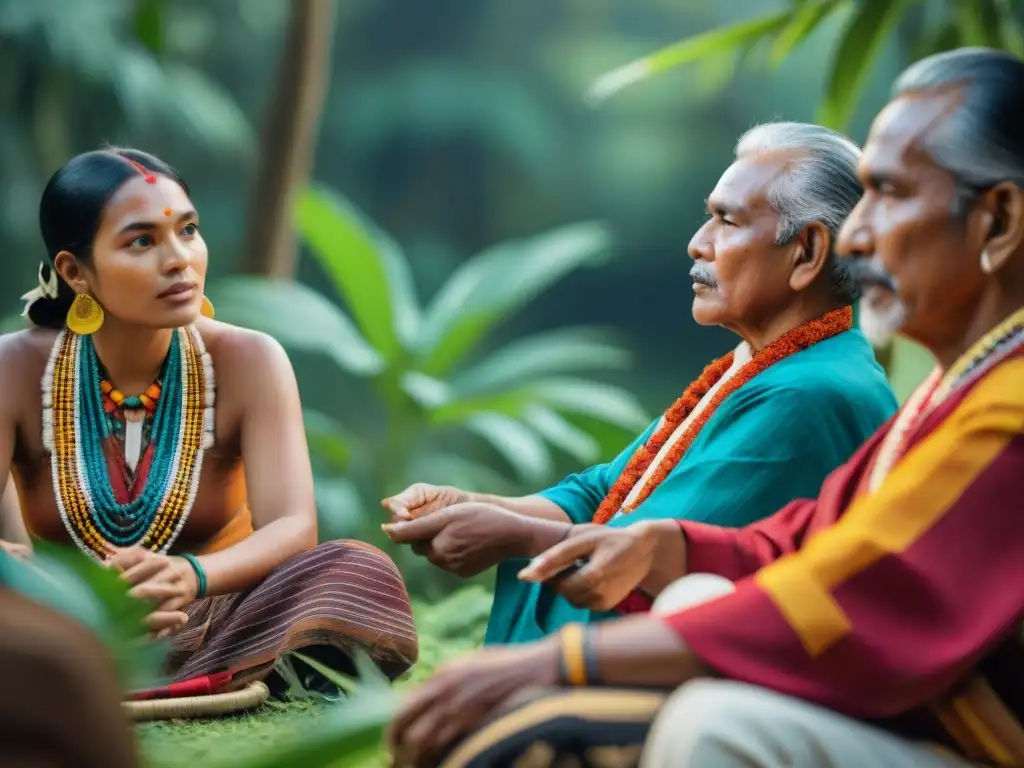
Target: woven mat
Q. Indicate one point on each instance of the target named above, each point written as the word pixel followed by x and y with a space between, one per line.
pixel 255 694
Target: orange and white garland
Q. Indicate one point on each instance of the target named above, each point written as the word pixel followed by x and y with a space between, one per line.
pixel 797 340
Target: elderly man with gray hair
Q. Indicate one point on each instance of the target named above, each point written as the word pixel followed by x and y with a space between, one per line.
pixel 760 426
pixel 878 624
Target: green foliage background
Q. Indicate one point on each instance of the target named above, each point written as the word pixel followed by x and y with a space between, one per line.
pixel 492 290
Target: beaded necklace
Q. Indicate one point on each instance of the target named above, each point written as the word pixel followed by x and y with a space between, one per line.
pixel 983 355
pixel 824 327
pixel 131 419
pixel 75 429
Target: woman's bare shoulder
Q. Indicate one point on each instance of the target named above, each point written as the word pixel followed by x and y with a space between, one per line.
pixel 241 352
pixel 23 357
pixel 22 352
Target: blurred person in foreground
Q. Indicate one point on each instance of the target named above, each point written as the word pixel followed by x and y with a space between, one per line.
pixel 170 446
pixel 62 705
pixel 63 701
pixel 877 625
pixel 761 426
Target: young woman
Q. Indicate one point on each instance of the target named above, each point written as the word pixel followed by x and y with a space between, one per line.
pixel 171 446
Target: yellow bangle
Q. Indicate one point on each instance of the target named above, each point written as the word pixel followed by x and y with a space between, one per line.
pixel 574 667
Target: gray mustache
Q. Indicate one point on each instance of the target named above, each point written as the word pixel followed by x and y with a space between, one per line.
pixel 867 274
pixel 702 273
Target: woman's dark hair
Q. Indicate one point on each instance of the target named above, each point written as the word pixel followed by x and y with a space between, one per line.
pixel 70 212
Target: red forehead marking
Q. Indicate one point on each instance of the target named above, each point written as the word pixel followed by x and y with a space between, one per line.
pixel 149 177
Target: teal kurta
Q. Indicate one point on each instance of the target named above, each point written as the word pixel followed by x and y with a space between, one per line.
pixel 773 440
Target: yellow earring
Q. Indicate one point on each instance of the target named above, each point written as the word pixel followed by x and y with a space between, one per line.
pixel 85 315
pixel 207 309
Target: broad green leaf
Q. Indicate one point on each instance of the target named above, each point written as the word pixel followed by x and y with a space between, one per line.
pixel 452 469
pixel 611 439
pixel 604 401
pixel 298 317
pixel 558 351
pixel 1010 28
pixel 426 391
pixel 491 286
pixel 801 25
pixel 691 49
pixel 562 434
pixel 563 394
pixel 354 728
pixel 519 446
pixel 978 21
pixel 148 22
pixel 367 268
pixel 134 82
pixel 867 29
pixel 74 584
pixel 328 438
pixel 368 675
pixel 211 117
pixel 944 37
pixel 713 73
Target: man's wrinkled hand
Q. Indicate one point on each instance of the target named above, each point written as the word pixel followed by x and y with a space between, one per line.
pixel 422 499
pixel 615 561
pixel 461 695
pixel 465 539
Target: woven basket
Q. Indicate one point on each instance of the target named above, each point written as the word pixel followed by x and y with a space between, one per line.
pixel 255 694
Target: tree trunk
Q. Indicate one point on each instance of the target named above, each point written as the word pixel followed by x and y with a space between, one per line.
pixel 289 138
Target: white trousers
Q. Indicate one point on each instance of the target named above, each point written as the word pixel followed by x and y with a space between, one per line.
pixel 726 724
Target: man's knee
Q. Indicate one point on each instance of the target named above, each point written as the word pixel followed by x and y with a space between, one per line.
pixel 691 590
pixel 708 722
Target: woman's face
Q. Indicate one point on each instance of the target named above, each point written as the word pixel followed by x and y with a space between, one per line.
pixel 148 259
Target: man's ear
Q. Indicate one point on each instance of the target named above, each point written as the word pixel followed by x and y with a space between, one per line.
pixel 1002 212
pixel 811 248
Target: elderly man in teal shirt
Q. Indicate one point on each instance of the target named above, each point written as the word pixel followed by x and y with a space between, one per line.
pixel 761 426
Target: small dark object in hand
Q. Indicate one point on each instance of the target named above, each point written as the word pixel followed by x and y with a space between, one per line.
pixel 568 571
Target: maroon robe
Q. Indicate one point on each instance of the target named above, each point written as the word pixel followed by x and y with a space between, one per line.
pixel 904 602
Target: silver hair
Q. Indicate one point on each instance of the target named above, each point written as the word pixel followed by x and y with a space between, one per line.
pixel 820 184
pixel 981 142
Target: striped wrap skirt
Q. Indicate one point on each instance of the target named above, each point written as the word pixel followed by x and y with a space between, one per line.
pixel 327 602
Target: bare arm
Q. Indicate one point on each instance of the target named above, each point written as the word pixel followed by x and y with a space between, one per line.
pixel 12 526
pixel 278 475
pixel 12 367
pixel 528 506
pixel 574 500
pixel 644 651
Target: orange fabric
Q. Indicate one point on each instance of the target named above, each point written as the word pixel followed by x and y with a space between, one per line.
pixel 238 529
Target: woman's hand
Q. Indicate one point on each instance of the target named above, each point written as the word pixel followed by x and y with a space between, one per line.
pixel 20 551
pixel 617 560
pixel 422 499
pixel 168 581
pixel 461 694
pixel 467 539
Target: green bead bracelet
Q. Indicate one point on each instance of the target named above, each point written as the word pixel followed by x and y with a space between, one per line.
pixel 200 574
